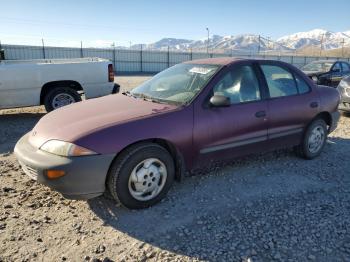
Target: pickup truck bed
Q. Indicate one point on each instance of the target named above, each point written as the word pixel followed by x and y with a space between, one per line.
pixel 54 82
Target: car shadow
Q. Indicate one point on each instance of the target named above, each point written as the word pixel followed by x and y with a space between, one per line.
pixel 13 127
pixel 237 184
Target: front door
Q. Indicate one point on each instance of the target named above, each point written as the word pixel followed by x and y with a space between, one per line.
pixel 235 130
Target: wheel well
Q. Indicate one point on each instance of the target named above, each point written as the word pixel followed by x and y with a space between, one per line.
pixel 51 85
pixel 179 161
pixel 326 116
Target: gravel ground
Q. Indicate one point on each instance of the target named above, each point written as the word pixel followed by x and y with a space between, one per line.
pixel 267 207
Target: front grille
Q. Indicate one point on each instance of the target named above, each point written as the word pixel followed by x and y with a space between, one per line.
pixel 29 171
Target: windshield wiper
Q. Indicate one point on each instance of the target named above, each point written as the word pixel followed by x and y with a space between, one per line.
pixel 126 93
pixel 149 98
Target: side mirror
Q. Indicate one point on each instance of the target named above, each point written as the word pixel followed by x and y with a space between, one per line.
pixel 220 101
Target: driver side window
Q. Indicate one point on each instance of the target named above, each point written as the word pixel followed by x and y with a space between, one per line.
pixel 239 84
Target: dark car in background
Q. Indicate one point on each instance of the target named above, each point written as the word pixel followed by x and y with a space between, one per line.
pixel 190 115
pixel 327 72
pixel 344 90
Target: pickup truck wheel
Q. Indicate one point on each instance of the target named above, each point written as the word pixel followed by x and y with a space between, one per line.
pixel 60 96
pixel 314 140
pixel 141 176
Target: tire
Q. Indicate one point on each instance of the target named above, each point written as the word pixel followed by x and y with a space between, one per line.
pixel 51 98
pixel 120 180
pixel 308 150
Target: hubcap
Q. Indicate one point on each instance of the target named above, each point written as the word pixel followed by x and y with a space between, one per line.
pixel 62 99
pixel 147 179
pixel 316 139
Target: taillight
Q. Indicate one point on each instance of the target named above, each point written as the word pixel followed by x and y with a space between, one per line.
pixel 110 73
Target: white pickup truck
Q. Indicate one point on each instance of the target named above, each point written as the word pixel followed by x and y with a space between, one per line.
pixel 54 82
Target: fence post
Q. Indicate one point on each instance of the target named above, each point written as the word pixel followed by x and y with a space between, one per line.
pixel 168 58
pixel 114 62
pixel 304 60
pixel 141 62
pixel 292 60
pixel 42 41
pixel 81 49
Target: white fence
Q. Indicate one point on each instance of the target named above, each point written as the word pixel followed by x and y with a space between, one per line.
pixel 136 61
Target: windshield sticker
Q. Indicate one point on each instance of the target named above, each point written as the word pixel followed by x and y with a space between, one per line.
pixel 201 70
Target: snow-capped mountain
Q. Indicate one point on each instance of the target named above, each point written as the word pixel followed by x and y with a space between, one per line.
pixel 330 40
pixel 246 42
pixel 251 42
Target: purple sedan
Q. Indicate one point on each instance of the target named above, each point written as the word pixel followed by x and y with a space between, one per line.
pixel 137 143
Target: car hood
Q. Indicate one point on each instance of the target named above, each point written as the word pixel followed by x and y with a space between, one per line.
pixel 74 121
pixel 313 73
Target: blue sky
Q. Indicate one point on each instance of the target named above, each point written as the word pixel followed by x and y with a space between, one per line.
pixel 102 22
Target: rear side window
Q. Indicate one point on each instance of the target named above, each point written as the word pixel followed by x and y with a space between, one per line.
pixel 280 81
pixel 346 67
pixel 303 87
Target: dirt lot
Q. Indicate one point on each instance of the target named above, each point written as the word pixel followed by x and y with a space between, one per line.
pixel 261 208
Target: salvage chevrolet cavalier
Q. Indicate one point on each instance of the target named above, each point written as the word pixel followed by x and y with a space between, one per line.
pixel 137 143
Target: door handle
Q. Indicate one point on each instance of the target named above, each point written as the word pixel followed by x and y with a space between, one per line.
pixel 313 104
pixel 260 114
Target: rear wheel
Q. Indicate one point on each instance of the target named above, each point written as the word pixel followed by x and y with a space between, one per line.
pixel 60 96
pixel 141 176
pixel 314 140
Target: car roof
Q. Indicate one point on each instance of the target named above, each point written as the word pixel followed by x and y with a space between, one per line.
pixel 216 61
pixel 326 61
pixel 224 61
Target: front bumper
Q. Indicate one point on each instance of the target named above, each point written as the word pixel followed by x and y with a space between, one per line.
pixel 85 176
pixel 344 104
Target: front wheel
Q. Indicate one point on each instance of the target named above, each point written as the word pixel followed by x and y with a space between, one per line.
pixel 314 140
pixel 60 96
pixel 141 176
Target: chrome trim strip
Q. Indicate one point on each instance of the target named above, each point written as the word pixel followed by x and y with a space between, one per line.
pixel 285 133
pixel 233 144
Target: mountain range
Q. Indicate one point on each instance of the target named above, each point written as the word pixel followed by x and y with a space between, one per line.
pixel 250 42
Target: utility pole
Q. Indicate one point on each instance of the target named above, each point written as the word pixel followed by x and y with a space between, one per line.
pixel 342 47
pixel 208 41
pixel 81 49
pixel 259 45
pixel 129 44
pixel 42 41
pixel 321 44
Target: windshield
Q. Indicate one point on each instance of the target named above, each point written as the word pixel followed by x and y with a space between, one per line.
pixel 318 66
pixel 178 84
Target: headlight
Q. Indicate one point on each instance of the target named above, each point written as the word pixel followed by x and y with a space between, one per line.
pixel 62 148
pixel 344 88
pixel 314 78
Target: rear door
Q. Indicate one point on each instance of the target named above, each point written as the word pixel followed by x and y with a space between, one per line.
pixel 336 74
pixel 235 130
pixel 291 104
